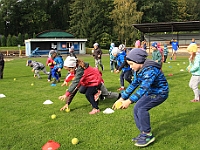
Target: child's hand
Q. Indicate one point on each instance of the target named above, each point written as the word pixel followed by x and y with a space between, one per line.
pixel 54 62
pixel 49 64
pixel 116 71
pixel 59 69
pixel 125 104
pixel 63 97
pixel 64 107
pixel 34 75
pixel 64 83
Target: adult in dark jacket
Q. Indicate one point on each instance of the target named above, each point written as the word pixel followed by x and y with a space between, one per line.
pixel 97 53
pixel 2 62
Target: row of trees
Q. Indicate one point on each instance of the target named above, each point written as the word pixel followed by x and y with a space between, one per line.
pixel 100 21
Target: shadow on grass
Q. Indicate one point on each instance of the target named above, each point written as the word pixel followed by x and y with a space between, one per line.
pixel 176 123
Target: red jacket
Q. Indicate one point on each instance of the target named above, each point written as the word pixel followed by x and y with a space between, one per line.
pixel 50 61
pixel 91 77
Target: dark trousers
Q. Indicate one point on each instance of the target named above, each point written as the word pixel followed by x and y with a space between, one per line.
pixel 89 93
pixel 1 70
pixel 125 75
pixel 50 74
pixel 141 111
pixel 165 58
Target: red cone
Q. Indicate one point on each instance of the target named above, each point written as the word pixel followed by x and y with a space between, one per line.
pixel 51 145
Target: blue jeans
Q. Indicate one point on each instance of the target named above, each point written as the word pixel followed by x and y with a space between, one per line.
pixel 141 108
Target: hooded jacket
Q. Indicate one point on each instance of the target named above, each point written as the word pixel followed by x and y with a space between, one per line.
pixel 150 80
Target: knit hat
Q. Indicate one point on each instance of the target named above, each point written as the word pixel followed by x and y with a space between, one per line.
pixel 154 44
pixel 96 44
pixel 71 49
pixel 70 62
pixel 115 50
pixel 28 62
pixel 137 55
pixel 121 47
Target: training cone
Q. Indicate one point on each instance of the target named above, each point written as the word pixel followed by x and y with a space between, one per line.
pixel 51 145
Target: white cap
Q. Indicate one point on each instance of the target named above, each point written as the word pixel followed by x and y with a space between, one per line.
pixel 96 44
pixel 70 62
pixel 71 49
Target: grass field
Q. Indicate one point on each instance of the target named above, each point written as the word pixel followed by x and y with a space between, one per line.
pixel 26 124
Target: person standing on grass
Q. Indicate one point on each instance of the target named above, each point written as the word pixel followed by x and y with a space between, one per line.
pixel 165 52
pixel 192 48
pixel 156 54
pixel 2 63
pixel 151 90
pixel 97 56
pixel 194 69
pixel 175 47
pixel 50 63
pixel 71 52
pixel 113 62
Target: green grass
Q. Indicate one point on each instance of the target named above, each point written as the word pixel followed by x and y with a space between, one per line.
pixel 26 124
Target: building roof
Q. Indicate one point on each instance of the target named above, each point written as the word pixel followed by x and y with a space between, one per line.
pixel 54 34
pixel 168 26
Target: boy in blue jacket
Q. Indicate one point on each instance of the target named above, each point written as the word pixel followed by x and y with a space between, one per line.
pixel 58 65
pixel 152 90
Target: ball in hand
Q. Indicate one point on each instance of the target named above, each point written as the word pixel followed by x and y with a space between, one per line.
pixel 75 141
pixel 118 105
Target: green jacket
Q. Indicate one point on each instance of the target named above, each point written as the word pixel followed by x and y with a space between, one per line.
pixel 195 66
pixel 156 55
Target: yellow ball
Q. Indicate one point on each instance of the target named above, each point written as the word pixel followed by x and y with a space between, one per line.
pixel 14 79
pixel 118 105
pixel 67 110
pixel 53 116
pixel 75 141
pixel 32 84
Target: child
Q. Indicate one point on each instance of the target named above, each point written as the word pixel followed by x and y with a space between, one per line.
pixel 113 62
pixel 2 63
pixel 71 52
pixel 192 48
pixel 126 73
pixel 175 47
pixel 58 65
pixel 151 90
pixel 97 53
pixel 37 67
pixel 165 52
pixel 50 63
pixel 156 55
pixel 194 69
pixel 87 80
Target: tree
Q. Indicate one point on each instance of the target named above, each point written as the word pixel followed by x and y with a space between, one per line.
pixel 123 16
pixel 9 41
pixel 3 41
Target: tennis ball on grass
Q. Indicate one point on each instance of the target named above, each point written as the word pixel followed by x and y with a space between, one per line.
pixel 118 105
pixel 67 109
pixel 32 84
pixel 53 116
pixel 75 141
pixel 14 79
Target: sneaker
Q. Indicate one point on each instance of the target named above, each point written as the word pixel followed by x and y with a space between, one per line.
pixel 94 111
pixel 48 80
pixel 96 96
pixel 144 140
pixel 121 89
pixel 135 139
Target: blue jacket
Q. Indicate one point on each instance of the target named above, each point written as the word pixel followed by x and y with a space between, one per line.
pixel 59 62
pixel 150 81
pixel 120 61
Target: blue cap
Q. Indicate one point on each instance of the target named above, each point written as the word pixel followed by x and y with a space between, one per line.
pixel 154 44
pixel 28 62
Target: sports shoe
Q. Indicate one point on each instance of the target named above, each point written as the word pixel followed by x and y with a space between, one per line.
pixel 135 139
pixel 144 140
pixel 96 96
pixel 194 100
pixel 121 89
pixel 94 111
pixel 48 80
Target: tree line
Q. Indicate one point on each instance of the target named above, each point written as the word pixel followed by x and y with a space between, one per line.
pixel 102 21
